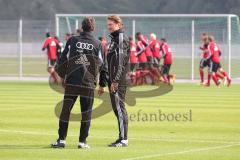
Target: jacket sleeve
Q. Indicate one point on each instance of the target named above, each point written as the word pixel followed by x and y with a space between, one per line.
pixel 62 65
pixel 121 54
pixel 103 70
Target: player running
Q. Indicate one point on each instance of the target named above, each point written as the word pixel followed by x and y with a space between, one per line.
pixel 51 44
pixel 167 56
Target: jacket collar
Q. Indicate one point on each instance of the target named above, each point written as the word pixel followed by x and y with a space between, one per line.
pixel 116 33
pixel 86 34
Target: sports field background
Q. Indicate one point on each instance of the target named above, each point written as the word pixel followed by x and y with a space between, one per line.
pixel 28 125
pixel 36 67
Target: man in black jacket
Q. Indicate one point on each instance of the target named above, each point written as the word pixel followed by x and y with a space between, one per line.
pixel 79 64
pixel 118 67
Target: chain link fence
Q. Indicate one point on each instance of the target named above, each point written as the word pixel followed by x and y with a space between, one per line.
pixel 32 62
pixel 182 33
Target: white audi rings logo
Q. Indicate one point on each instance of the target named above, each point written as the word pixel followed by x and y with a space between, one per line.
pixel 86 46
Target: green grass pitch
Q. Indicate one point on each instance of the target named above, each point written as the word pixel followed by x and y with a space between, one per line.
pixel 28 125
pixel 36 67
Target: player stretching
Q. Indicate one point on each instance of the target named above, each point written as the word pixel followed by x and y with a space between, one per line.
pixel 204 62
pixel 167 56
pixel 51 44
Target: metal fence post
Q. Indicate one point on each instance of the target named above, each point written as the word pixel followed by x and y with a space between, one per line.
pixel 133 29
pixel 57 25
pixel 193 48
pixel 229 45
pixel 20 49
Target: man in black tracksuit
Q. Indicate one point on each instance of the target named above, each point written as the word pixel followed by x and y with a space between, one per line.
pixel 118 67
pixel 79 64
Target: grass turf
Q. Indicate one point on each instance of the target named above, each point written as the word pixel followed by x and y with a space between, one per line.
pixel 36 67
pixel 28 125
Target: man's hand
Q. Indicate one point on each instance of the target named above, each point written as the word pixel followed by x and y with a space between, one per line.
pixel 100 91
pixel 63 82
pixel 114 87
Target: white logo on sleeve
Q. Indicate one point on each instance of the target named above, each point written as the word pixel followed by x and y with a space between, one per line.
pixel 82 60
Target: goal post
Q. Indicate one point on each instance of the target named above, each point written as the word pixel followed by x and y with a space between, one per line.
pixel 182 32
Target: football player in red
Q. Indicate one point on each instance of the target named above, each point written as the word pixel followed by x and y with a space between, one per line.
pixel 153 72
pixel 142 61
pixel 214 57
pixel 133 60
pixel 51 44
pixel 141 53
pixel 155 48
pixel 222 74
pixel 204 62
pixel 147 48
pixel 166 53
pixel 133 55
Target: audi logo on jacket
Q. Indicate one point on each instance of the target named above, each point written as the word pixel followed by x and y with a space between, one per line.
pixel 118 57
pixel 82 60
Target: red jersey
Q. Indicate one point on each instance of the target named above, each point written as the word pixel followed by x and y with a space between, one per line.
pixel 214 52
pixel 133 51
pixel 155 48
pixel 142 56
pixel 205 50
pixel 51 45
pixel 166 53
pixel 145 42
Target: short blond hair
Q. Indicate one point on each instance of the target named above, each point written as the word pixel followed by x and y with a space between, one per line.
pixel 116 19
pixel 153 36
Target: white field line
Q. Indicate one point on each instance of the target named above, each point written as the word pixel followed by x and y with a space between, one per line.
pixel 133 138
pixel 183 152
